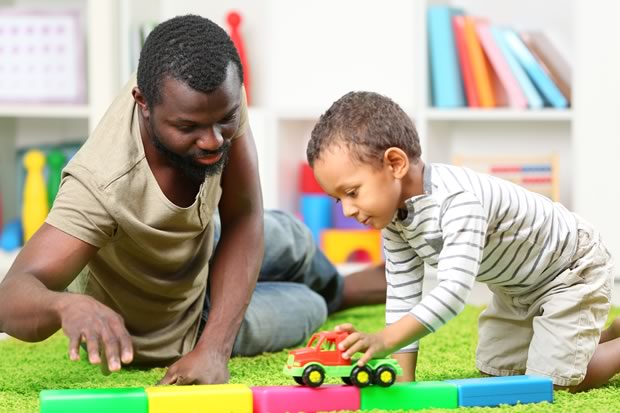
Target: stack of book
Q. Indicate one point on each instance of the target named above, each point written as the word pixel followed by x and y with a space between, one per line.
pixel 476 64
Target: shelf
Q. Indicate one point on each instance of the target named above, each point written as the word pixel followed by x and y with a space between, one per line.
pixel 499 115
pixel 48 111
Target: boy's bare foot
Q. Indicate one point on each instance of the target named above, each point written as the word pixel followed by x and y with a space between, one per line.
pixel 364 287
pixel 611 332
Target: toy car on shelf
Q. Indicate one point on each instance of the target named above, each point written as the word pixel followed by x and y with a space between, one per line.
pixel 320 358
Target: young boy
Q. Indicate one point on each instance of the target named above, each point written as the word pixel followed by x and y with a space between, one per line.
pixel 548 269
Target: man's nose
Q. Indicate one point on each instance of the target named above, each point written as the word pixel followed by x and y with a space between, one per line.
pixel 210 140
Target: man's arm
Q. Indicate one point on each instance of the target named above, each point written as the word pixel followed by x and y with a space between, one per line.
pixel 33 304
pixel 234 268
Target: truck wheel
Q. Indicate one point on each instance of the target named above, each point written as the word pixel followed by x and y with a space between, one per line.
pixel 313 376
pixel 385 376
pixel 298 380
pixel 361 376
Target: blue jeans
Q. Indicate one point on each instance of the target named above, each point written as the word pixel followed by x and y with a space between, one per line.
pixel 297 288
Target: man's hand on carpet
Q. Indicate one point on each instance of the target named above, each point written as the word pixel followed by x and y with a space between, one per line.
pixel 198 367
pixel 85 320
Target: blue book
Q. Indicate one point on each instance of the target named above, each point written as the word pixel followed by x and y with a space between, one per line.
pixel 446 81
pixel 543 82
pixel 534 100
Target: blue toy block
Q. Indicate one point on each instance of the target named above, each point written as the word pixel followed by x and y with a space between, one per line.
pixel 316 211
pixel 12 235
pixel 493 391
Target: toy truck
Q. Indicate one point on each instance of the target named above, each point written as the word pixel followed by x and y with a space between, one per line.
pixel 320 358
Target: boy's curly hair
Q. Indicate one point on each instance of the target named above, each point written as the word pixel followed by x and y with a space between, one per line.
pixel 366 124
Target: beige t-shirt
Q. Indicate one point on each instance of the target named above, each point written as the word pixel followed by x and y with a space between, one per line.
pixel 152 265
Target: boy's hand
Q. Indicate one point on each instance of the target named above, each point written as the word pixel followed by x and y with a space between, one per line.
pixel 372 345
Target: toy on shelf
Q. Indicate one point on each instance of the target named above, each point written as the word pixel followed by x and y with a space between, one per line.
pixel 12 235
pixel 234 21
pixel 339 245
pixel 35 193
pixel 321 357
pixel 537 173
pixel 56 159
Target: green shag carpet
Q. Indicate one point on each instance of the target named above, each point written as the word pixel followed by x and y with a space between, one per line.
pixel 26 369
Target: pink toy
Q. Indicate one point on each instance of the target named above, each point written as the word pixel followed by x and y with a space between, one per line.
pixel 294 399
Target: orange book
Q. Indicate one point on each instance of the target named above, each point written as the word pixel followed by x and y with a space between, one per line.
pixel 469 83
pixel 479 63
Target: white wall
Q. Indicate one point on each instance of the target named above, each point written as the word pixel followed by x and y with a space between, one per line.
pixel 597 119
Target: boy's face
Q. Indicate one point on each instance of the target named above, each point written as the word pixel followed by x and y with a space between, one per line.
pixel 368 193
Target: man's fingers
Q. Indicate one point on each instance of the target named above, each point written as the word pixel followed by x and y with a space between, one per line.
pixel 126 348
pixel 92 347
pixel 169 378
pixel 74 347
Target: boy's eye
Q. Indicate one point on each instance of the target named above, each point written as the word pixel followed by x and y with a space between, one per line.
pixel 351 194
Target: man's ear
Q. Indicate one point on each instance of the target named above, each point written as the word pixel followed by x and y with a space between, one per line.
pixel 141 101
pixel 397 160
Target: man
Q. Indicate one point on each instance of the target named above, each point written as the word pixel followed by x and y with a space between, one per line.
pixel 134 230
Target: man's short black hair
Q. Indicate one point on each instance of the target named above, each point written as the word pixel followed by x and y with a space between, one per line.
pixel 366 124
pixel 188 48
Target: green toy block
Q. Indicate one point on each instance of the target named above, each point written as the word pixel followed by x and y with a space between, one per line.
pixel 410 396
pixel 132 400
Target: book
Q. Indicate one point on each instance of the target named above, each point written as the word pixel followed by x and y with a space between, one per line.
pixel 551 60
pixel 515 96
pixel 467 71
pixel 541 80
pixel 480 65
pixel 446 83
pixel 534 99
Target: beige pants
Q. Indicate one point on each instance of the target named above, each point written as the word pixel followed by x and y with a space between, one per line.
pixel 554 331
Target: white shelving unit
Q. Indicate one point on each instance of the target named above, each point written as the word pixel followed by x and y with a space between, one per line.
pixel 303 55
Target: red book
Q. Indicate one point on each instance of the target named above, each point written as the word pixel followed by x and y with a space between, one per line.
pixel 469 83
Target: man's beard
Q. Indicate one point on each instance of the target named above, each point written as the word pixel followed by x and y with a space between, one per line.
pixel 188 165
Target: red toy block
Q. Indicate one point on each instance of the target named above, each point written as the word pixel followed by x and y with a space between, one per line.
pixel 308 182
pixel 295 399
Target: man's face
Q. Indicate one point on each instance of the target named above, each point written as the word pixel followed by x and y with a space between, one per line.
pixel 368 193
pixel 193 130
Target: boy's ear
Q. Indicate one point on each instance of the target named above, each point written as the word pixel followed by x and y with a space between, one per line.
pixel 397 160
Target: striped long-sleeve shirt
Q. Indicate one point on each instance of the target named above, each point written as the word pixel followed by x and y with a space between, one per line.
pixel 471 227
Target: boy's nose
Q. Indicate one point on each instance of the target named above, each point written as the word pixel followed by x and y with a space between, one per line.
pixel 349 210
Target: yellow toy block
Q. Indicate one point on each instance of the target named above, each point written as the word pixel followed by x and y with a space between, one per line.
pixel 214 398
pixel 339 244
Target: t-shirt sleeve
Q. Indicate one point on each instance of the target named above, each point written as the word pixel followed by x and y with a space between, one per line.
pixel 243 115
pixel 79 211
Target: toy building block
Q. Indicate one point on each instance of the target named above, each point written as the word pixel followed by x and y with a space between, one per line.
pixel 493 391
pixel 294 399
pixel 316 210
pixel 308 183
pixel 339 244
pixel 410 396
pixel 341 221
pixel 214 398
pixel 132 400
